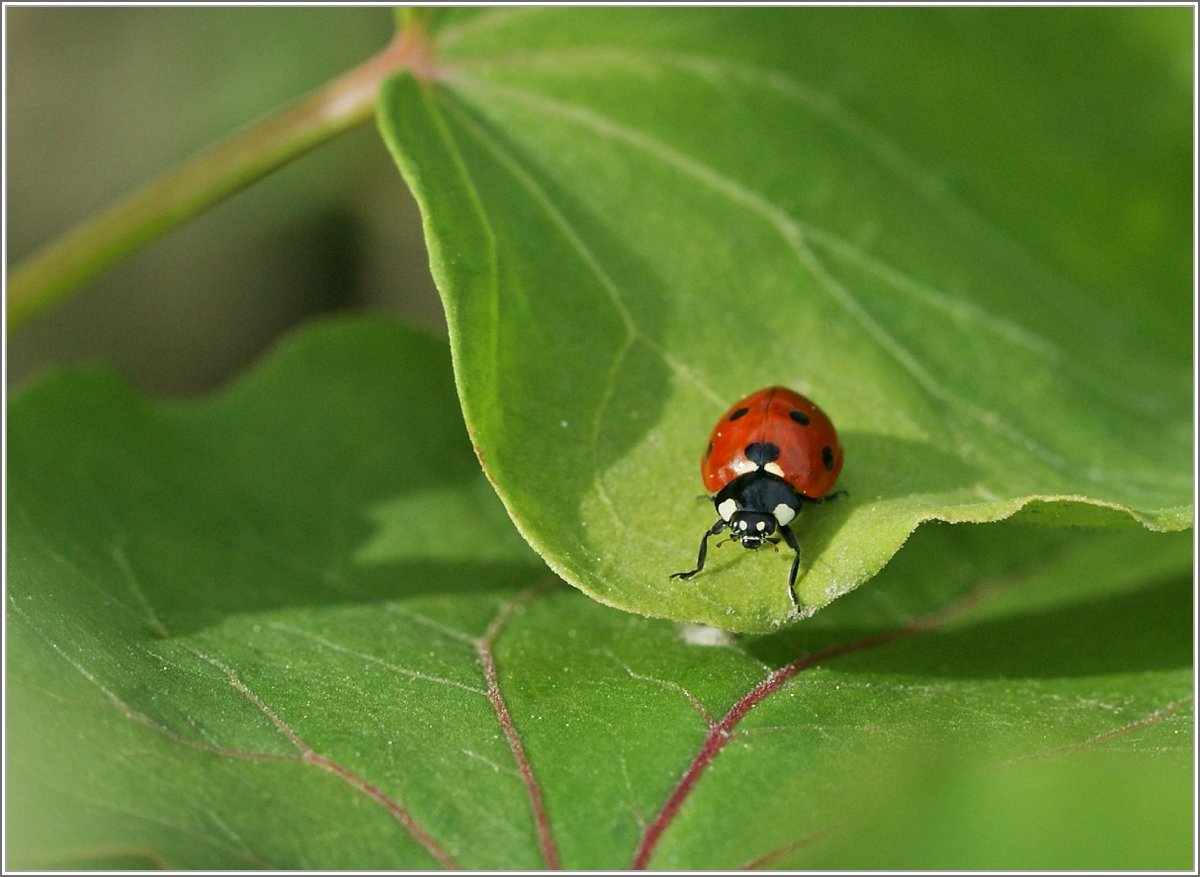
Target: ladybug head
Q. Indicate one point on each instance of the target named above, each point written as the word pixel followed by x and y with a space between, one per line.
pixel 752 528
pixel 754 507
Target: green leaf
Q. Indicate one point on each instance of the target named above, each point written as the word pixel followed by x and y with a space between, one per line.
pixel 916 217
pixel 290 626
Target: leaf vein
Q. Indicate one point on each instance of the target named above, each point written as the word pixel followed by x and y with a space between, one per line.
pixel 372 659
pixel 793 233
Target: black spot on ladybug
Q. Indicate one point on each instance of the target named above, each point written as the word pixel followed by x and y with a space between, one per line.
pixel 741 412
pixel 762 453
pixel 800 417
pixel 708 451
pixel 827 458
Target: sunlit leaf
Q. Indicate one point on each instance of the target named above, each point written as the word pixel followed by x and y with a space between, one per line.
pixel 638 216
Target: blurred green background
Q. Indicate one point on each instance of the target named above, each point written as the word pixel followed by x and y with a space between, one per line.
pixel 102 100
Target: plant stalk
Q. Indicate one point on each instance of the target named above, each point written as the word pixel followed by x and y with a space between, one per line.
pixel 85 251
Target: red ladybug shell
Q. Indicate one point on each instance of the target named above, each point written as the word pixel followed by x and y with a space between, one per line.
pixel 809 455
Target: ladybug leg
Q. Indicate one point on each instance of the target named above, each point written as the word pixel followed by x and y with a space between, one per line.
pixel 711 531
pixel 790 538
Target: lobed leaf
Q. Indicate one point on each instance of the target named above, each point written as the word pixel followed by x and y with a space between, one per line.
pixel 290 626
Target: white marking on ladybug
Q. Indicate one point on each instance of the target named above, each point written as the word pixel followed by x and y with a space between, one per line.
pixel 761 526
pixel 784 513
pixel 727 508
pixel 743 466
pixel 774 468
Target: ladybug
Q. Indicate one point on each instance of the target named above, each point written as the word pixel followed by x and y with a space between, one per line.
pixel 768 455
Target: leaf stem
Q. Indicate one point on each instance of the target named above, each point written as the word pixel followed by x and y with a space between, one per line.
pixel 85 251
